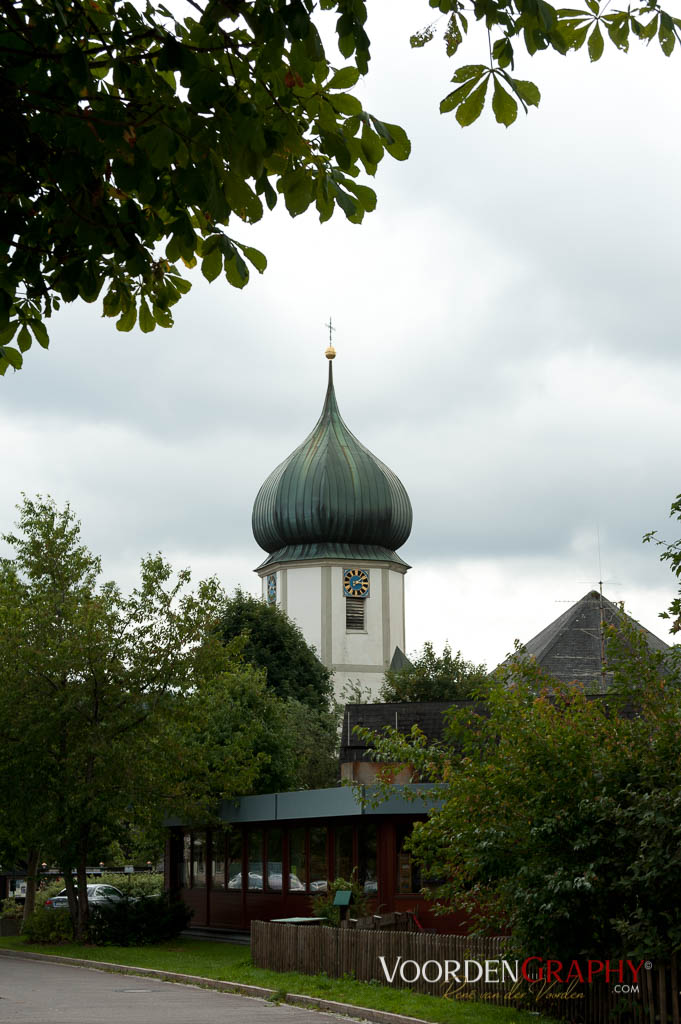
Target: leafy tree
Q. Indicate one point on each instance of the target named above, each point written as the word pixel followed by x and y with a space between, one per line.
pixel 235 735
pixel 304 748
pixel 432 677
pixel 559 818
pixel 299 740
pixel 273 642
pixel 108 702
pixel 134 139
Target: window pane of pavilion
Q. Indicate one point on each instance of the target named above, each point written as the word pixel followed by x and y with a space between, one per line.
pixel 297 879
pixel 274 860
pixel 408 873
pixel 367 872
pixel 217 871
pixel 255 845
pixel 318 862
pixel 234 859
pixel 186 876
pixel 343 852
pixel 199 860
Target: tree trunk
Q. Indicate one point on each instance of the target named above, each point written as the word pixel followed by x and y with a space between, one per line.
pixel 71 893
pixel 31 882
pixel 83 908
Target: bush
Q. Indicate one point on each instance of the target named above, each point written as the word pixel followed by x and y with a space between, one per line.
pixel 140 884
pixel 48 926
pixel 138 922
pixel 47 889
pixel 10 908
pixel 323 904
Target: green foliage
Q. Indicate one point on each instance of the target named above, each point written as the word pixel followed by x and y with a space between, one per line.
pixel 133 886
pixel 138 922
pixel 219 735
pixel 134 140
pixel 11 908
pixel 48 926
pixel 322 905
pixel 516 26
pixel 274 643
pixel 302 744
pixel 114 708
pixel 560 817
pixel 297 721
pixel 634 665
pixel 433 677
pixel 235 736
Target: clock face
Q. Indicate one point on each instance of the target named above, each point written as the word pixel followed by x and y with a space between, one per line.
pixel 272 588
pixel 356 582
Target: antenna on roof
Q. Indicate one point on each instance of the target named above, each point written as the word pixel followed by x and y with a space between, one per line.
pixel 601 606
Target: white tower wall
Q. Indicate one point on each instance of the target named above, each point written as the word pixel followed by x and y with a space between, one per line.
pixel 312 595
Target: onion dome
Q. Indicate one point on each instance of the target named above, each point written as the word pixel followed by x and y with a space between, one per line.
pixel 331 498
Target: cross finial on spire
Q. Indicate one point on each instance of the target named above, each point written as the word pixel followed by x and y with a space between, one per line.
pixel 330 352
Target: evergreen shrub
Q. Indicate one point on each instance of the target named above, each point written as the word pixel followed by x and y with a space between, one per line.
pixel 11 908
pixel 48 926
pixel 138 922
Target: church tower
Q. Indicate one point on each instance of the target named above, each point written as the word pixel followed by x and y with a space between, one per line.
pixel 331 517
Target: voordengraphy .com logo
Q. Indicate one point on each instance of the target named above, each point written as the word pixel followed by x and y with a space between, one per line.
pixel 541 974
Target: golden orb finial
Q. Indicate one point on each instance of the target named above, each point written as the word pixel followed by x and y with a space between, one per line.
pixel 330 352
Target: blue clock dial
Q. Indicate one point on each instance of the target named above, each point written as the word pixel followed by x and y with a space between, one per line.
pixel 356 582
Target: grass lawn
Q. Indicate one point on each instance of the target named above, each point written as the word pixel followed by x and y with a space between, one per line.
pixel 227 962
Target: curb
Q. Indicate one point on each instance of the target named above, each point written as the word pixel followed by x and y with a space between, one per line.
pixel 235 987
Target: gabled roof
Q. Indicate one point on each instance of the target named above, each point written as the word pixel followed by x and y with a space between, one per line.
pixel 570 649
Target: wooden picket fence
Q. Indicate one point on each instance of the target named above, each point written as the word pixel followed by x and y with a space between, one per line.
pixel 338 952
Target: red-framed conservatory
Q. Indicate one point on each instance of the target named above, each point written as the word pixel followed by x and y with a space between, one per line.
pixel 271 854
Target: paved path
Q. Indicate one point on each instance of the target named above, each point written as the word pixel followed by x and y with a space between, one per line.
pixel 36 992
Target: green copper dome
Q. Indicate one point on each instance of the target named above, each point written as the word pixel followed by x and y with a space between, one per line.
pixel 331 498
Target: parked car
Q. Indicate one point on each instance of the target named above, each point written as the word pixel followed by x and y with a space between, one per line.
pixel 274 882
pixel 254 881
pixel 97 896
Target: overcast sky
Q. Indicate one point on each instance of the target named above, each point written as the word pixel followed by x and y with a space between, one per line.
pixel 508 343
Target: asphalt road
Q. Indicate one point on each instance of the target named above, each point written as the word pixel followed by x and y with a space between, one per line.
pixel 33 992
